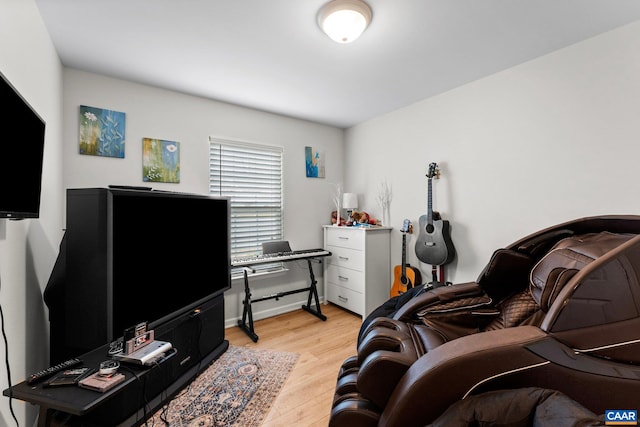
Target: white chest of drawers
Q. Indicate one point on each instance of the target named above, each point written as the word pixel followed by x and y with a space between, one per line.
pixel 357 276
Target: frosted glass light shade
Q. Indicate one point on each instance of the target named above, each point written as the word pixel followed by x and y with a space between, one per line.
pixel 350 201
pixel 344 20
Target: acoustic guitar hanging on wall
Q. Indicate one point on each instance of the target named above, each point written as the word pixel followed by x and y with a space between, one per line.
pixel 405 277
pixel 434 245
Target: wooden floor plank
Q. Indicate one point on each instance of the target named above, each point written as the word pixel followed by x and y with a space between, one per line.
pixel 306 397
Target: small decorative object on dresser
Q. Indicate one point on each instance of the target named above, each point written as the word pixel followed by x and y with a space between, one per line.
pixel 358 272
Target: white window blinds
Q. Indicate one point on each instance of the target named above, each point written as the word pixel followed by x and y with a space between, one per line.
pixel 251 176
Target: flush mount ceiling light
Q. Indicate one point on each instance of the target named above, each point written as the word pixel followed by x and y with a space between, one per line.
pixel 344 20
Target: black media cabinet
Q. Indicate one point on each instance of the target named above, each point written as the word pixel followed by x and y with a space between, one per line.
pixel 127 256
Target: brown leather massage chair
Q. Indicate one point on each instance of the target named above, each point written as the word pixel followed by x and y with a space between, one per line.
pixel 558 309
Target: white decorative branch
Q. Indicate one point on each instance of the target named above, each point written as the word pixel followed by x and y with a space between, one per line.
pixel 337 200
pixel 384 200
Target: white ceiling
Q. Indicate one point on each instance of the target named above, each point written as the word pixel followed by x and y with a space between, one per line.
pixel 271 55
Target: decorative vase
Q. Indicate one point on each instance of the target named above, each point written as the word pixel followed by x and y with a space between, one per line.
pixel 386 220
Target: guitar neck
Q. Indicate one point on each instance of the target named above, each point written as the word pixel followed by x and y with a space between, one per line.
pixel 404 254
pixel 429 203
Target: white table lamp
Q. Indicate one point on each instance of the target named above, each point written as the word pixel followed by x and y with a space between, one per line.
pixel 349 203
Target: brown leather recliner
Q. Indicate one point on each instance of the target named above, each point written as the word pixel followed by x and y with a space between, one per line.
pixel 558 309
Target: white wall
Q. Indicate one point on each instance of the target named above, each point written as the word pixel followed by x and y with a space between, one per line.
pixel 157 113
pixel 28 248
pixel 551 140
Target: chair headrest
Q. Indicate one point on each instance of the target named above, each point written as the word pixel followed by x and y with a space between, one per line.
pixel 565 259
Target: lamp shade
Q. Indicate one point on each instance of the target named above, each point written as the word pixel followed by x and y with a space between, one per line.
pixel 344 20
pixel 349 200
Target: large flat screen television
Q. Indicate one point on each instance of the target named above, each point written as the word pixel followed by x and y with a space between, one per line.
pixel 170 253
pixel 20 190
pixel 130 256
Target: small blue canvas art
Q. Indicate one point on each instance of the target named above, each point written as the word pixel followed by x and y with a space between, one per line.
pixel 314 161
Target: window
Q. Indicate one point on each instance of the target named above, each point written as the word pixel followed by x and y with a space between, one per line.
pixel 251 176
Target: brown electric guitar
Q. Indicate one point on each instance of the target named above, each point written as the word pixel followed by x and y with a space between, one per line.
pixel 405 277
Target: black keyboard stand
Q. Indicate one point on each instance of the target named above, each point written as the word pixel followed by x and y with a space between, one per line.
pixel 247 313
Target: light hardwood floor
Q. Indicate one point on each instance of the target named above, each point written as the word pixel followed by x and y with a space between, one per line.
pixel 306 397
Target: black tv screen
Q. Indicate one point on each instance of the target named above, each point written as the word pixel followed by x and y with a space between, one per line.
pixel 170 253
pixel 20 190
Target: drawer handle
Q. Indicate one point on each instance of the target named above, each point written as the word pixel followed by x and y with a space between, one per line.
pixel 343 299
pixel 343 238
pixel 344 258
pixel 343 278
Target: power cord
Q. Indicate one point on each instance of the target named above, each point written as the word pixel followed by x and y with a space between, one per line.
pixel 6 360
pixel 163 398
pixel 142 382
pixel 198 334
pixel 146 407
pixel 164 408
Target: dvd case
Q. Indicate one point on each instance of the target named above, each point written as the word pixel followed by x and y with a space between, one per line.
pixel 69 377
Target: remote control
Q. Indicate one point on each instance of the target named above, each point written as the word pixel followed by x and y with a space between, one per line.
pixel 46 373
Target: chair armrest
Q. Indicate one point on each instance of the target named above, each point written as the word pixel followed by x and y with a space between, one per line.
pixel 462 364
pixel 408 311
pixel 380 372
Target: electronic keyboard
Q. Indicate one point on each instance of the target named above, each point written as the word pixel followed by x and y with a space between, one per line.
pixel 280 257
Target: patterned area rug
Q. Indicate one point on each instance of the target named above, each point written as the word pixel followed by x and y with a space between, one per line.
pixel 238 389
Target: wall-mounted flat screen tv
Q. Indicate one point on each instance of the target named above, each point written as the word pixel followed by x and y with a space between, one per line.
pixel 23 151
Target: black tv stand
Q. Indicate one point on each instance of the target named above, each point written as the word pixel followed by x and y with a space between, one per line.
pixel 140 395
